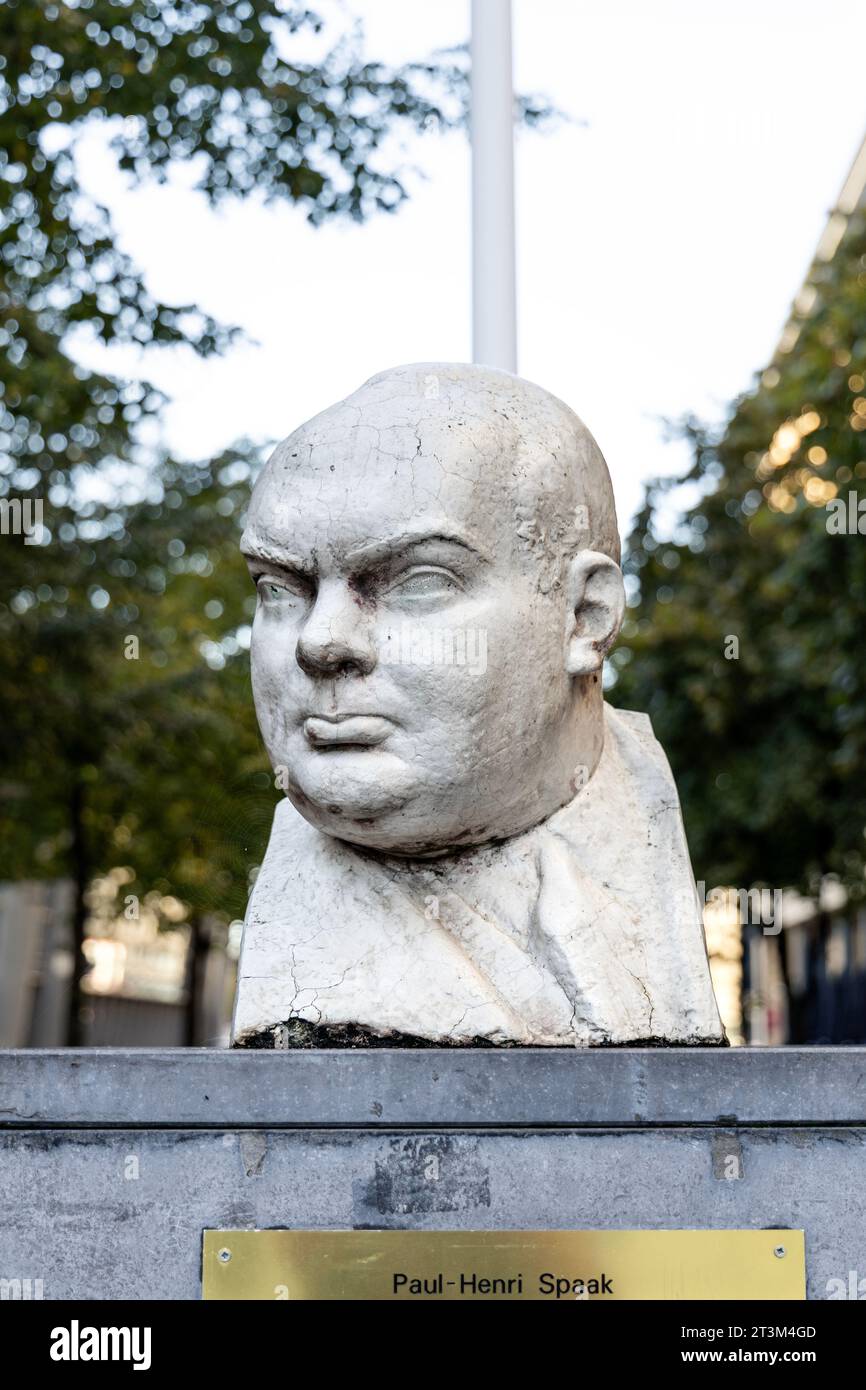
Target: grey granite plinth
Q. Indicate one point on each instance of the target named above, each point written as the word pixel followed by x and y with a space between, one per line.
pixel 113 1162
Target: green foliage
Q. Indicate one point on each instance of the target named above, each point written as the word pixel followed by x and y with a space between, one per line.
pixel 768 748
pixel 125 692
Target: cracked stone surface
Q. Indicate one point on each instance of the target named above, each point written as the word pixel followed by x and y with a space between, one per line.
pixel 474 849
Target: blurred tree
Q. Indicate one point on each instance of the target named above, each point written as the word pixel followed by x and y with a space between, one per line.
pixel 128 733
pixel 744 636
pixel 152 759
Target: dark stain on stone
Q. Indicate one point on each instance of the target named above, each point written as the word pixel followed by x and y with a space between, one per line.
pixel 299 1032
pixel 425 1173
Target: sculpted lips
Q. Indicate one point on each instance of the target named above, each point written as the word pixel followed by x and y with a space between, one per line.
pixel 358 730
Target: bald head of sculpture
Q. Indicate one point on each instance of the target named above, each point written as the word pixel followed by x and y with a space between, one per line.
pixel 436 559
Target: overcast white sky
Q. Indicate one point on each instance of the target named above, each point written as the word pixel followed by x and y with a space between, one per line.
pixel 659 245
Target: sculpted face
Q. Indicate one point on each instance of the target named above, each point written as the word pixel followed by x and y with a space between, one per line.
pixel 431 619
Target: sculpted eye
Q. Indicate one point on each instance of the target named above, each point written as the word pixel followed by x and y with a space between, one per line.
pixel 425 583
pixel 273 591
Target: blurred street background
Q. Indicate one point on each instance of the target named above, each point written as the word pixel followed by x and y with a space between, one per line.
pixel 217 218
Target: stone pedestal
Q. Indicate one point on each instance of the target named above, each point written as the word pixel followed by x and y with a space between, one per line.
pixel 112 1163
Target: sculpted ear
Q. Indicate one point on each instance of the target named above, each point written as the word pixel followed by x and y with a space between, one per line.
pixel 596 607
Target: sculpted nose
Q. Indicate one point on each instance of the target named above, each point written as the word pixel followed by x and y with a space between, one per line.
pixel 335 639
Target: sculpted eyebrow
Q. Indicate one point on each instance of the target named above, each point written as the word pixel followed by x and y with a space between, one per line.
pixel 398 545
pixel 254 550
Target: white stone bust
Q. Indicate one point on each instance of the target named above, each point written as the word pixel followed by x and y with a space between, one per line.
pixel 474 847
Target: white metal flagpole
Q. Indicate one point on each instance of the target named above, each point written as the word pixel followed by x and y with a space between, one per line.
pixel 494 309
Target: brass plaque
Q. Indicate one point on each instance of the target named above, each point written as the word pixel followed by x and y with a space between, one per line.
pixel 557 1266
